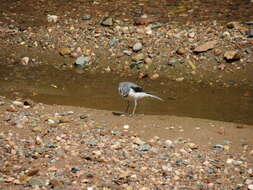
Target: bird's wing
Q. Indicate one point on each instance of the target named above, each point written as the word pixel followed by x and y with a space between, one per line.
pixel 137 88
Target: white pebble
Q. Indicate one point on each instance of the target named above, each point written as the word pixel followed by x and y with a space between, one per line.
pixel 250 186
pixel 230 161
pixel 126 126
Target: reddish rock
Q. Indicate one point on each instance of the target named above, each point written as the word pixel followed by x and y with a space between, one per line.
pixel 143 21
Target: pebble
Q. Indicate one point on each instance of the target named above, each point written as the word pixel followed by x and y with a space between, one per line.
pixel 250 186
pixel 179 79
pixel 83 116
pixel 181 51
pixel 173 62
pixel 49 144
pixel 25 60
pixel 75 169
pixel 143 21
pixel 82 61
pixel 232 55
pixel 144 147
pixel 18 103
pixel 126 126
pixel 250 33
pixel 154 76
pixel 138 57
pixel 108 21
pixel 127 52
pixel 148 60
pixel 86 17
pixel 113 42
pixel 52 18
pixel 218 147
pixel 137 46
pixel 138 141
pixel 229 161
pixel 64 51
pixel 36 182
pixel 92 143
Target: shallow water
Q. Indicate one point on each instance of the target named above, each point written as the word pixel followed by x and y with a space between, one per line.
pixel 67 87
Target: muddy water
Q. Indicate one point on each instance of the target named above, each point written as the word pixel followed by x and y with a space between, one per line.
pixel 68 87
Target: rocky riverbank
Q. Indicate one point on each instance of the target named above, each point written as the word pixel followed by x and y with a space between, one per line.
pixel 56 147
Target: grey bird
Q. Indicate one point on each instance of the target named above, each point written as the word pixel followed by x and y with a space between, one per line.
pixel 133 92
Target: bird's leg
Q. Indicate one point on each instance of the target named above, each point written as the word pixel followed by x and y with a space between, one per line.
pixel 127 108
pixel 135 104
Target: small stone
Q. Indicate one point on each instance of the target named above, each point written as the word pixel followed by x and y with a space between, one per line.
pixel 232 25
pixel 126 126
pixel 83 116
pixel 18 103
pixel 144 147
pixel 49 144
pixel 192 146
pixel 181 51
pixel 75 169
pixel 138 57
pixel 124 174
pixel 32 172
pixel 169 143
pixel 52 18
pixel 113 42
pixel 143 21
pixel 137 46
pixel 37 129
pixel 108 21
pixel 249 181
pixel 36 182
pixel 250 33
pixel 191 35
pixel 64 51
pixel 173 62
pixel 192 65
pixel 218 147
pixel 229 161
pixel 25 60
pixel 154 76
pixel 74 54
pixel 138 141
pixel 250 186
pixel 142 75
pixel 127 52
pixel 148 60
pixel 179 79
pixel 86 17
pixel 217 52
pixel 92 143
pixel 82 61
pixel 232 55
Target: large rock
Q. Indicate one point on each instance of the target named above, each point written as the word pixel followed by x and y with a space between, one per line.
pixel 232 55
pixel 82 61
pixel 205 46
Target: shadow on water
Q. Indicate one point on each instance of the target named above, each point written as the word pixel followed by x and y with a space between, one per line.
pixel 66 87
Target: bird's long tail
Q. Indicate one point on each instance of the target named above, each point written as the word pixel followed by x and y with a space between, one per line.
pixel 144 94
